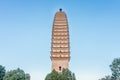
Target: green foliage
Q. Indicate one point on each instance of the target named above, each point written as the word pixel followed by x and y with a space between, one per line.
pixel 52 76
pixel 17 74
pixel 73 76
pixel 106 78
pixel 115 68
pixel 27 76
pixel 64 75
pixel 2 72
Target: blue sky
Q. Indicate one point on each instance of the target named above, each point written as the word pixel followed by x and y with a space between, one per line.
pixel 26 28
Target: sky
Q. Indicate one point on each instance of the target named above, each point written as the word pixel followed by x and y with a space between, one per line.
pixel 26 29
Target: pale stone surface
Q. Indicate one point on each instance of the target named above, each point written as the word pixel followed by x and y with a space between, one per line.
pixel 60 50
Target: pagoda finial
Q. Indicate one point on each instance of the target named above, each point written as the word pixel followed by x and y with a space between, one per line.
pixel 60 9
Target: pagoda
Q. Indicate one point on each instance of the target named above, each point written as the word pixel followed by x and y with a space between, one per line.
pixel 60 46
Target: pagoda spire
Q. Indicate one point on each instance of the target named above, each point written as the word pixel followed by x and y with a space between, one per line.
pixel 60 9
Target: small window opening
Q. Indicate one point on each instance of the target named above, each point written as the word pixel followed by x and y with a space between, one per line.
pixel 59 68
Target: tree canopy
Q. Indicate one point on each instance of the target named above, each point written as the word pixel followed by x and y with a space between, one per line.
pixel 17 74
pixel 66 74
pixel 115 68
pixel 106 78
pixel 2 72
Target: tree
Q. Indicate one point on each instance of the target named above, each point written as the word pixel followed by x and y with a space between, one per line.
pixel 17 74
pixel 2 72
pixel 73 77
pixel 54 75
pixel 106 78
pixel 115 68
pixel 27 76
pixel 66 74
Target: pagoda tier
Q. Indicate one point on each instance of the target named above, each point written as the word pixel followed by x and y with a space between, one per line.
pixel 60 35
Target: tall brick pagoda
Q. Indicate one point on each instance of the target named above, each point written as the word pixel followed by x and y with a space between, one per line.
pixel 60 48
